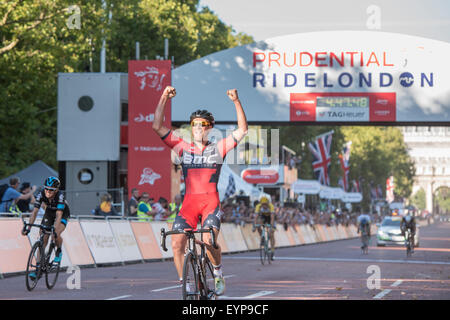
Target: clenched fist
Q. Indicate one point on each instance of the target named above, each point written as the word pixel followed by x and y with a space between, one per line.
pixel 170 92
pixel 232 94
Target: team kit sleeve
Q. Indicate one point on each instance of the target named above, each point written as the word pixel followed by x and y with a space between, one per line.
pixel 61 202
pixel 38 202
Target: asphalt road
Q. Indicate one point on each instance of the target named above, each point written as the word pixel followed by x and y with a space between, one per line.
pixel 333 270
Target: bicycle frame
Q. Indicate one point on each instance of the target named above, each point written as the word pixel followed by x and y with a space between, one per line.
pixel 43 262
pixel 199 261
pixel 265 235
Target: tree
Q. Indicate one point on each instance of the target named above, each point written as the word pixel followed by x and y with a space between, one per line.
pixel 37 43
pixel 419 199
pixel 378 153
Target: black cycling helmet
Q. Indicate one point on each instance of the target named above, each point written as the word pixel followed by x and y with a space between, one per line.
pixel 52 183
pixel 205 114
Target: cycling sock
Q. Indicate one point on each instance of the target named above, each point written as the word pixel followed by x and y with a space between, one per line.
pixel 58 251
pixel 217 270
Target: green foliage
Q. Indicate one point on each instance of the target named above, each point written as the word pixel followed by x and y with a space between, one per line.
pixel 442 199
pixel 36 44
pixel 376 154
pixel 419 199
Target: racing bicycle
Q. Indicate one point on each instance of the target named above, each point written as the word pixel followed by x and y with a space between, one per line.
pixel 264 250
pixel 197 268
pixel 41 262
pixel 409 243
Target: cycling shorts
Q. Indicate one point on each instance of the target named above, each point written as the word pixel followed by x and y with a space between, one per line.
pixel 264 218
pixel 50 217
pixel 204 206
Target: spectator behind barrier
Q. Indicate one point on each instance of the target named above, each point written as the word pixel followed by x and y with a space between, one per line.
pixel 11 195
pixel 133 203
pixel 105 208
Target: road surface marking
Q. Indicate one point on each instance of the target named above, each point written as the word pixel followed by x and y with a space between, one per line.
pixel 386 291
pixel 348 260
pixel 382 294
pixel 179 286
pixel 396 283
pixel 121 297
pixel 252 296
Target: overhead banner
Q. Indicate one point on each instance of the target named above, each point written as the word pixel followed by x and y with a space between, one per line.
pixel 149 164
pixel 330 76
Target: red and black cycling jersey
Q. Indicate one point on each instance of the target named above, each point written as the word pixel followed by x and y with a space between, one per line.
pixel 201 166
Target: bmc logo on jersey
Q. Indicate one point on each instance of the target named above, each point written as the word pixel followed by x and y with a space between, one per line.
pixel 197 159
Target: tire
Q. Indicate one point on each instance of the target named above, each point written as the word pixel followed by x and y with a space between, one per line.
pixel 268 252
pixel 190 278
pixel 262 253
pixel 209 274
pixel 31 266
pixel 52 271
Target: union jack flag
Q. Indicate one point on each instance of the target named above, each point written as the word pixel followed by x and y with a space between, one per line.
pixel 321 151
pixel 356 186
pixel 344 160
pixel 390 189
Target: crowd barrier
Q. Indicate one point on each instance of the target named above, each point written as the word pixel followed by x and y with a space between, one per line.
pixel 100 241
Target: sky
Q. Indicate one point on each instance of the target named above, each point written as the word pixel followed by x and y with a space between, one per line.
pixel 264 19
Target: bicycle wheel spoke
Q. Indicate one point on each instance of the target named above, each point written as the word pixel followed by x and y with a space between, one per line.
pixel 33 272
pixel 190 287
pixel 52 268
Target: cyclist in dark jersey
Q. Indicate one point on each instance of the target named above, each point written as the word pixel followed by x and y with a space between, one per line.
pixel 57 212
pixel 201 161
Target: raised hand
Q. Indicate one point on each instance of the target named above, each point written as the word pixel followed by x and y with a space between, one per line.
pixel 170 92
pixel 232 94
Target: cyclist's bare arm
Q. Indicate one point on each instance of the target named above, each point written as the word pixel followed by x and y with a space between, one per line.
pixel 158 126
pixel 59 214
pixel 242 129
pixel 26 196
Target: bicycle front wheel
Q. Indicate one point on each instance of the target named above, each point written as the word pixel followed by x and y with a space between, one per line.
pixel 262 252
pixel 190 286
pixel 52 267
pixel 33 272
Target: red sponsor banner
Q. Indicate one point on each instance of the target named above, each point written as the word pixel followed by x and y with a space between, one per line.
pixel 343 106
pixel 259 176
pixel 149 163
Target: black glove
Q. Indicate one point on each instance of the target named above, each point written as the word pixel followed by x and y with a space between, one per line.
pixel 26 230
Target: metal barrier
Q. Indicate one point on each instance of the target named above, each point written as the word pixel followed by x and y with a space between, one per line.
pixel 87 200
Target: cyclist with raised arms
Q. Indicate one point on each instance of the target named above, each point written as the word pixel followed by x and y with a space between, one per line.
pixel 57 213
pixel 201 162
pixel 266 215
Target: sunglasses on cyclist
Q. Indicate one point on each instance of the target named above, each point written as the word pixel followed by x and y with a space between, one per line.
pixel 50 189
pixel 203 123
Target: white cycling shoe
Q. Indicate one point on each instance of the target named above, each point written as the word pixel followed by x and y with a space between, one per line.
pixel 219 283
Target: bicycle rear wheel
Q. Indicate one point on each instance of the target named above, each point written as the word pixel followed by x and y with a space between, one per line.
pixel 268 252
pixel 32 266
pixel 209 275
pixel 190 287
pixel 262 252
pixel 52 267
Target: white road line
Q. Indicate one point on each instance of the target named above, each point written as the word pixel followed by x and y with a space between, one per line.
pixel 179 286
pixel 346 260
pixel 252 296
pixel 386 291
pixel 382 294
pixel 396 283
pixel 121 297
